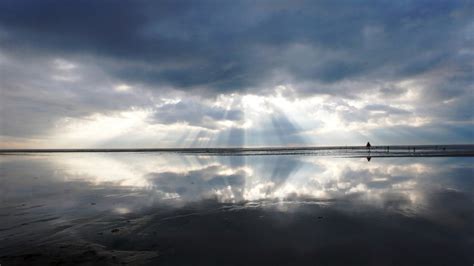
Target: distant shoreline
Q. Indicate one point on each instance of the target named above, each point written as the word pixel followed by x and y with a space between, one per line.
pixel 358 151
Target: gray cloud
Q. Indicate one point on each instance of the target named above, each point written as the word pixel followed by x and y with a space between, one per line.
pixel 194 113
pixel 210 48
pixel 236 47
pixel 35 95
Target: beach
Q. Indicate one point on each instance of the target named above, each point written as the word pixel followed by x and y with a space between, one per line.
pixel 178 209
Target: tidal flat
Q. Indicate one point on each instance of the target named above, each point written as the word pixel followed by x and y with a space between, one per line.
pixel 172 208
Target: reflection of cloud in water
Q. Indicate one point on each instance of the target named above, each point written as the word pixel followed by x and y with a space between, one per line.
pixel 192 204
pixel 212 181
pixel 186 178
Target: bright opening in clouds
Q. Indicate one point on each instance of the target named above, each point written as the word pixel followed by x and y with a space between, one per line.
pixel 230 74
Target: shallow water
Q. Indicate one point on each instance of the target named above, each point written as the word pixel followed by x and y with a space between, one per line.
pixel 170 208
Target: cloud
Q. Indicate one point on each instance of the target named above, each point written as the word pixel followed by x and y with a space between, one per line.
pixel 194 113
pixel 236 47
pixel 35 95
pixel 203 183
pixel 379 65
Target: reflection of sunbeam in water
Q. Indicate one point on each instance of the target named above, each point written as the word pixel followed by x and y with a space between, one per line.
pixel 237 136
pixel 150 201
pixel 244 177
pixel 282 170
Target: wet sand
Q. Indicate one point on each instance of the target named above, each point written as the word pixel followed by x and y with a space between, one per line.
pixel 175 209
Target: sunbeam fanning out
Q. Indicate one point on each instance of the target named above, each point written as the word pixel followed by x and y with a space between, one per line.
pixel 244 120
pixel 250 74
pixel 246 132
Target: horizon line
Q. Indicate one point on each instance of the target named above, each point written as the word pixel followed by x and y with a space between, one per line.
pixel 236 149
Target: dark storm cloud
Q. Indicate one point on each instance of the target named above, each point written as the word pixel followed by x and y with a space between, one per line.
pixel 225 46
pixel 345 49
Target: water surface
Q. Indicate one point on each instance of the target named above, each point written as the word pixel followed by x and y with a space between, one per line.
pixel 182 209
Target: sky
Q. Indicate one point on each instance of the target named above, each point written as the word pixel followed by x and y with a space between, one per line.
pixel 125 74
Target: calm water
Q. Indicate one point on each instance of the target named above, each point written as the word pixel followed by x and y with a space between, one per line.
pixel 148 208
